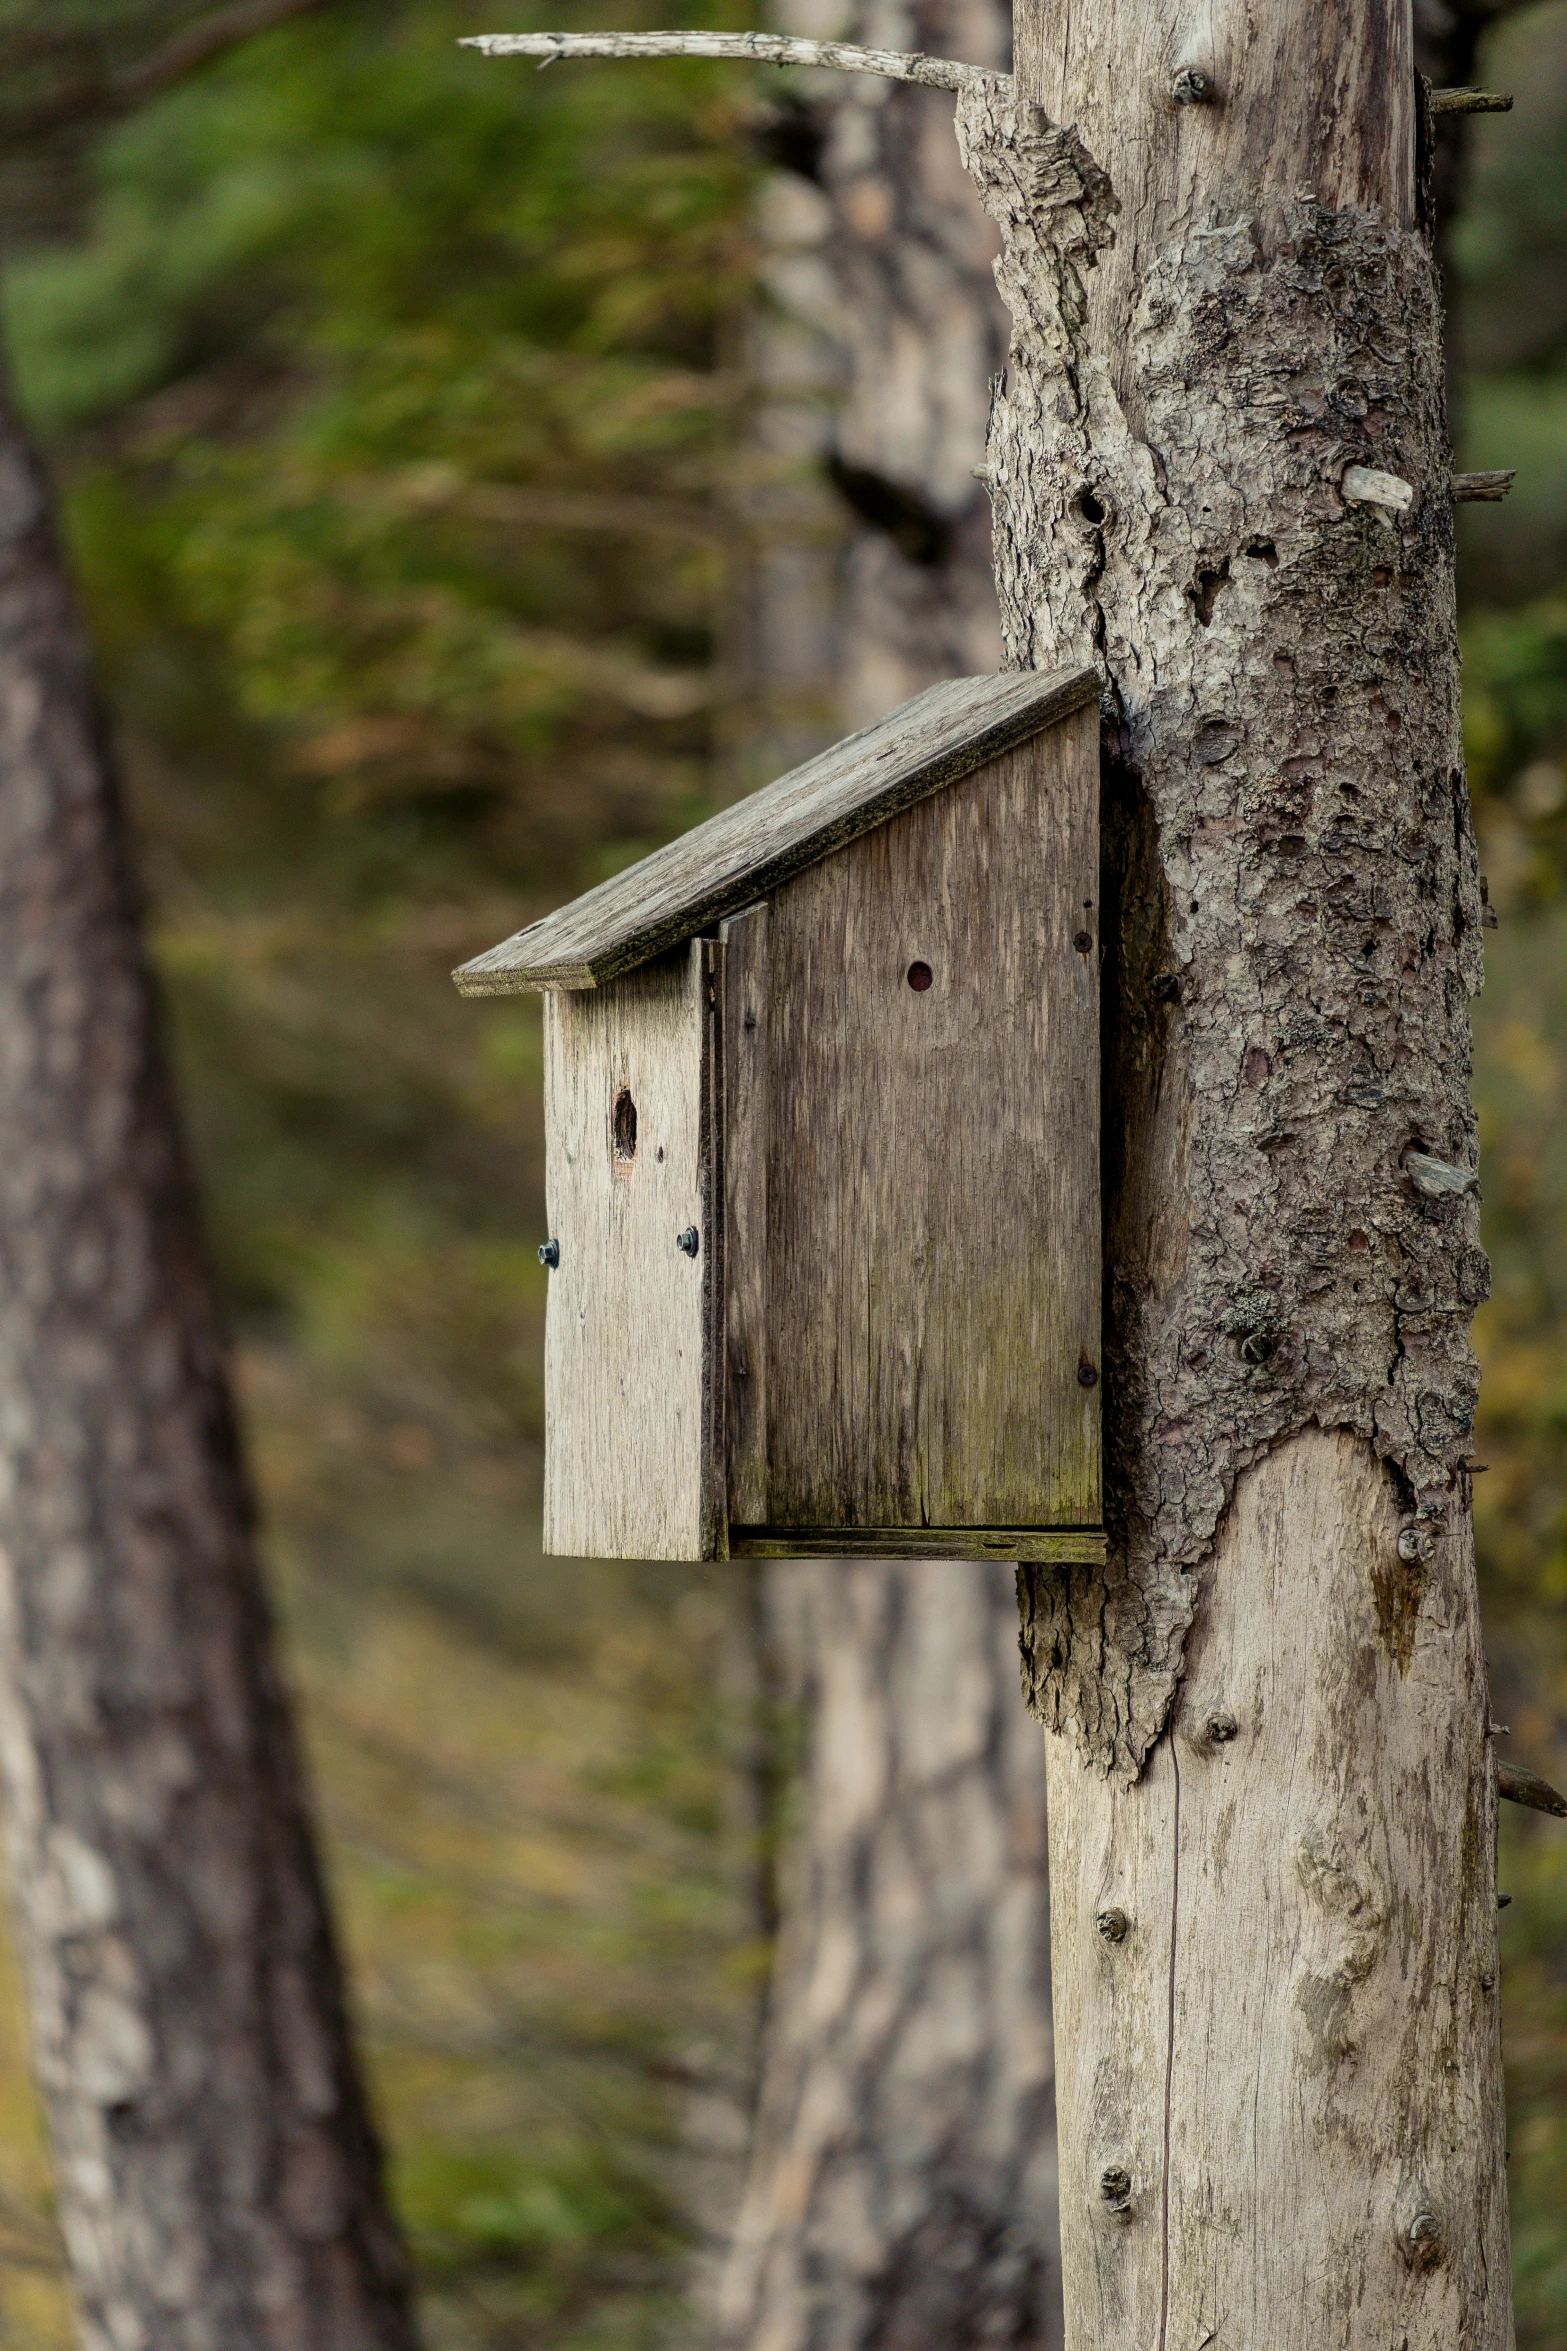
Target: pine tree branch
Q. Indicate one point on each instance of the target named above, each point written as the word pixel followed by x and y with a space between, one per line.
pixel 100 96
pixel 895 65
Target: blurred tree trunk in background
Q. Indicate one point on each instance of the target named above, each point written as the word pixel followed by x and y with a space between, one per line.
pixel 218 2179
pixel 902 2179
pixel 902 2184
pixel 1448 34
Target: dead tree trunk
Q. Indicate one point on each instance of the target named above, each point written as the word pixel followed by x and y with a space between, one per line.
pixel 1271 1795
pixel 218 2178
pixel 901 2187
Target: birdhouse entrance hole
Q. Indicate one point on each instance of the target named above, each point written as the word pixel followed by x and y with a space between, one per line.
pixel 625 1125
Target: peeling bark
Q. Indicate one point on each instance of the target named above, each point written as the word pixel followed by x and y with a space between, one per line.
pixel 217 2174
pixel 1282 694
pixel 1272 1802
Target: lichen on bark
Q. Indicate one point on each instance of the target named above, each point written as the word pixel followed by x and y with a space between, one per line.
pixel 1293 904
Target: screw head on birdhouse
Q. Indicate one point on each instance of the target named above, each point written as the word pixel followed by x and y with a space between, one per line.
pixel 822 1155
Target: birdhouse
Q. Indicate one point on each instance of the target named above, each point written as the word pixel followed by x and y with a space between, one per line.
pixel 822 1155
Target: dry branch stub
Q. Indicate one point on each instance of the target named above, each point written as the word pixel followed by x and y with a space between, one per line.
pixel 940 73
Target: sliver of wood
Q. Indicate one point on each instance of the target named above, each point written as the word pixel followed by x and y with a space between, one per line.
pixel 1034 1546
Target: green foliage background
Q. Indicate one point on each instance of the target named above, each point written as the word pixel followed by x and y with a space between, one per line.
pixel 329 324
pixel 392 394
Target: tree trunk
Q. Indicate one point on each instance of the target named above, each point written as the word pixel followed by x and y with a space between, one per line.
pixel 218 2178
pixel 901 2190
pixel 902 2181
pixel 1271 1796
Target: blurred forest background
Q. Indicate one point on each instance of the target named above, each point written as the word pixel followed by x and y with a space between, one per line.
pixel 398 402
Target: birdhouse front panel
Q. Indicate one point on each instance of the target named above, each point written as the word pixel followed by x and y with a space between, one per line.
pixel 823 1155
pixel 630 1164
pixel 921 1113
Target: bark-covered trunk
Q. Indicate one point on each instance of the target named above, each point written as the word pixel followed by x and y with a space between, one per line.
pixel 902 2183
pixel 901 2191
pixel 1271 1795
pixel 218 2177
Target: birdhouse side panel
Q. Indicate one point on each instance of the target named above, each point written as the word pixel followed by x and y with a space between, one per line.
pixel 630 1452
pixel 933 1245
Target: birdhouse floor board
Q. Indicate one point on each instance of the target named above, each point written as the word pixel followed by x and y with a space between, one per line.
pixel 746 851
pixel 1033 1546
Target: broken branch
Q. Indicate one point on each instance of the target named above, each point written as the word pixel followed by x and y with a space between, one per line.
pixel 1484 485
pixel 1471 102
pixel 894 65
pixel 1526 1787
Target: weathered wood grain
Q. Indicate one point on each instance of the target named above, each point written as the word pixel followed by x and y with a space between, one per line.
pixel 932 1271
pixel 1032 1546
pixel 1313 102
pixel 746 850
pixel 1293 2050
pixel 629 1343
pixel 746 1125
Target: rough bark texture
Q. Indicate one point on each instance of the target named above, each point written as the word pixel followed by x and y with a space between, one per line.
pixel 902 2183
pixel 218 2177
pixel 1282 2120
pixel 901 2191
pixel 1283 735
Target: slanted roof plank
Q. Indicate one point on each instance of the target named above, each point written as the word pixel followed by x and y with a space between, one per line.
pixel 746 850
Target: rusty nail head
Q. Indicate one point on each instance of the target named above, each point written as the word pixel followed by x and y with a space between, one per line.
pixel 1113 1925
pixel 1222 1728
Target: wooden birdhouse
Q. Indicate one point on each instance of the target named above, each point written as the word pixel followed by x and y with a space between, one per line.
pixel 822 1110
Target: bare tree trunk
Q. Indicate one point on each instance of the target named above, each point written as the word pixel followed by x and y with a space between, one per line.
pixel 902 2180
pixel 902 2184
pixel 218 2177
pixel 1271 1794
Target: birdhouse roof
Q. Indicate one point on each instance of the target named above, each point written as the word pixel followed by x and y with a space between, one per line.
pixel 747 849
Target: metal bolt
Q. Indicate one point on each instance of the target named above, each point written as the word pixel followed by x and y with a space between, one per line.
pixel 1113 1925
pixel 1414 1543
pixel 690 1240
pixel 549 1254
pixel 1087 1377
pixel 1222 1728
